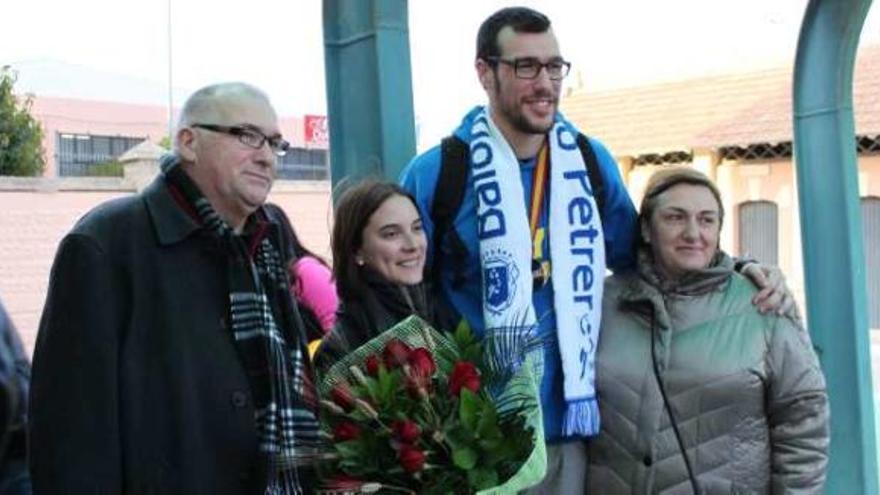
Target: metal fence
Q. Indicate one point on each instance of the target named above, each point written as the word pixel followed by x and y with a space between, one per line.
pixel 81 155
pixel 304 164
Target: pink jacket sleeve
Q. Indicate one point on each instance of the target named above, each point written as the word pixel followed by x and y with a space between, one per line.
pixel 313 287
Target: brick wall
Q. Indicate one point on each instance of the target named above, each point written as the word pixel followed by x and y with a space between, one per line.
pixel 36 213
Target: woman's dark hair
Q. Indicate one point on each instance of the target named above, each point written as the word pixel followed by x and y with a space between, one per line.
pixel 295 249
pixel 520 19
pixel 351 215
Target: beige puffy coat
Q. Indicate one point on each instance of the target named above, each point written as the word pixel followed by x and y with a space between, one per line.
pixel 746 390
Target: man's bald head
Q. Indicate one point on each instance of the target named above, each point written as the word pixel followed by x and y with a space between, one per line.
pixel 214 104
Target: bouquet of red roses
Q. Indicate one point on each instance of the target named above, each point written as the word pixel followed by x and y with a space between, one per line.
pixel 414 411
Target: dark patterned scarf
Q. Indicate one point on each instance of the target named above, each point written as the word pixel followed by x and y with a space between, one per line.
pixel 268 338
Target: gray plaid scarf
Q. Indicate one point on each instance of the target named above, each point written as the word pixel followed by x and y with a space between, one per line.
pixel 269 339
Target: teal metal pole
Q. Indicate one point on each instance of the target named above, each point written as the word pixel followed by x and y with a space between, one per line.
pixel 369 88
pixel 825 152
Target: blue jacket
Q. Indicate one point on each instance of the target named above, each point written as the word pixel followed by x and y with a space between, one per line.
pixel 463 285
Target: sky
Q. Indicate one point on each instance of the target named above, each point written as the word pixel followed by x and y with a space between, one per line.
pixel 278 46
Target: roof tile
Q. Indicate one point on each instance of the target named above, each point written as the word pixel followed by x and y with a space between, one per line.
pixel 713 111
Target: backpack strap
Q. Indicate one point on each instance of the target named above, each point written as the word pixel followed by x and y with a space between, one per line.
pixel 593 173
pixel 448 194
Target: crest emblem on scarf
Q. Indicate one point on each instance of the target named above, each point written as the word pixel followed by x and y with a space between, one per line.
pixel 499 280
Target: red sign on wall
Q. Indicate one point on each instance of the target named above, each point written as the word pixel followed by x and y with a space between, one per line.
pixel 317 132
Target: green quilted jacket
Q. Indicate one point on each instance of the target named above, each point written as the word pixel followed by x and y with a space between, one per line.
pixel 746 390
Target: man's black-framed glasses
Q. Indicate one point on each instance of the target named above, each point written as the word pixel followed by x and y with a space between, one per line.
pixel 250 136
pixel 530 67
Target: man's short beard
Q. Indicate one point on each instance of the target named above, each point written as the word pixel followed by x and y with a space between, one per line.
pixel 518 120
pixel 522 124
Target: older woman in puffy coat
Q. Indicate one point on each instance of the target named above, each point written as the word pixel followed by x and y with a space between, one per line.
pixel 698 391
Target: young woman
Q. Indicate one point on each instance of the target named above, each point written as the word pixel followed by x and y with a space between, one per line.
pixel 379 251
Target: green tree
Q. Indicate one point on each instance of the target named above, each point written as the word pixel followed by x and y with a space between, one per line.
pixel 21 137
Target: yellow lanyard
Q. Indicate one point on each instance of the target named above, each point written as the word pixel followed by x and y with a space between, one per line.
pixel 539 179
pixel 540 268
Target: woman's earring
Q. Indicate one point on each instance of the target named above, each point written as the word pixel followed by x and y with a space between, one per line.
pixel 359 261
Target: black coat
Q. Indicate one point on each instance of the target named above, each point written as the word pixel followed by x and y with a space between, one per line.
pixel 378 307
pixel 15 373
pixel 137 387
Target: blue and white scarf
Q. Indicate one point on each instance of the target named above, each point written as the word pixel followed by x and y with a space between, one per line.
pixel 577 250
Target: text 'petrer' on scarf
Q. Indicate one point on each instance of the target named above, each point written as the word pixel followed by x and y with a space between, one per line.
pixel 268 339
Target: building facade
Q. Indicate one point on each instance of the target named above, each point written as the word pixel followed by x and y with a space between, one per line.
pixel 84 138
pixel 738 129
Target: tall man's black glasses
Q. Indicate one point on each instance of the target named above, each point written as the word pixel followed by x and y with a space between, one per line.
pixel 530 67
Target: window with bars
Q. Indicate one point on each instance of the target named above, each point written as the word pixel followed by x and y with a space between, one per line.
pixel 91 155
pixel 868 144
pixel 768 151
pixel 304 164
pixel 871 234
pixel 759 231
pixel 672 157
pixel 758 151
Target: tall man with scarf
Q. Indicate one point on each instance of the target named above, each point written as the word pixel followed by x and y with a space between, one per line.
pixel 528 199
pixel 170 358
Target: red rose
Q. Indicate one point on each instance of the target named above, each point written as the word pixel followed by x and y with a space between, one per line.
pixel 412 459
pixel 342 396
pixel 346 431
pixel 395 353
pixel 464 374
pixel 406 431
pixel 421 363
pixel 372 365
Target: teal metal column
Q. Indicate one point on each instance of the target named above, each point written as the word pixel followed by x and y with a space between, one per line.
pixel 825 152
pixel 369 88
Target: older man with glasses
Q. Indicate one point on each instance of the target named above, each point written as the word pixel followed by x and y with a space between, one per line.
pixel 170 358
